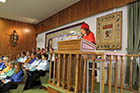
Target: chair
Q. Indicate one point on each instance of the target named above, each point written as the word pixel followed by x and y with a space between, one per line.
pixel 44 79
pixel 21 85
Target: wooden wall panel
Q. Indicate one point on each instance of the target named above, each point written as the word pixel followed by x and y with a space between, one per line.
pixel 27 37
pixel 82 9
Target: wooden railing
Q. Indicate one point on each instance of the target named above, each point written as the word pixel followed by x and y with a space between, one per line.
pixel 70 71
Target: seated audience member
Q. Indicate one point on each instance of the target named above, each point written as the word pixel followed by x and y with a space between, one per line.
pixel 47 51
pixel 18 58
pixel 24 57
pixel 42 51
pixel 28 54
pixel 32 66
pixel 7 67
pixel 52 66
pixel 33 56
pixel 2 64
pixel 38 50
pixel 33 50
pixel 1 58
pixel 40 71
pixel 8 73
pixel 44 64
pixel 10 83
pixel 51 50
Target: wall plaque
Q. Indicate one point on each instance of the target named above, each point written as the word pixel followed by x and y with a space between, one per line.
pixel 109 32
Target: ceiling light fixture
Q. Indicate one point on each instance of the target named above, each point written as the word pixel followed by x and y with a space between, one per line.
pixel 3 1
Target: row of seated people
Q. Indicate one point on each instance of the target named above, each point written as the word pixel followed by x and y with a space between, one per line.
pixel 10 74
pixel 35 63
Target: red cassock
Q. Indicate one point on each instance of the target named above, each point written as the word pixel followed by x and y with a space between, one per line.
pixel 90 37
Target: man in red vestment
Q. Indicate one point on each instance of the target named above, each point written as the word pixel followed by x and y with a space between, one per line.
pixel 87 34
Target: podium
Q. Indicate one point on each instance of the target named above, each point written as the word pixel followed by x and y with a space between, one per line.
pixel 80 45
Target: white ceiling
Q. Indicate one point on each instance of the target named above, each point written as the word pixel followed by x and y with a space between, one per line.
pixel 32 11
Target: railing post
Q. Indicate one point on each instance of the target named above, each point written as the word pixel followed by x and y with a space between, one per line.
pixel 84 74
pixel 80 73
pixel 122 74
pixel 102 74
pixel 58 70
pixel 93 74
pixel 69 72
pixel 54 74
pixel 64 70
pixel 50 68
pixel 110 73
pixel 77 75
pixel 116 74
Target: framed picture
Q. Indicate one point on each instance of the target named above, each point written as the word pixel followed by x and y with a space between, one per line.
pixel 109 32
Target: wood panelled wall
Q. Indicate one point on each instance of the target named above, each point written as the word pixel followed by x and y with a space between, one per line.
pixel 82 9
pixel 27 37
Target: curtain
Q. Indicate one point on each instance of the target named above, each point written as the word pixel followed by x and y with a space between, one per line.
pixel 133 46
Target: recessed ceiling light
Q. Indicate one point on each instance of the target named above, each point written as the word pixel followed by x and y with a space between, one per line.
pixel 3 1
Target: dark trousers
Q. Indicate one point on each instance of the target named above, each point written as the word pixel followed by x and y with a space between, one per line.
pixel 7 86
pixel 32 76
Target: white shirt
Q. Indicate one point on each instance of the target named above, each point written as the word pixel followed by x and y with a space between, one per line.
pixel 52 57
pixel 24 59
pixel 44 65
pixel 35 63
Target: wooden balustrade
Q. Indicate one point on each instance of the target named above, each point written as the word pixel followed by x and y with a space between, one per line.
pixel 70 71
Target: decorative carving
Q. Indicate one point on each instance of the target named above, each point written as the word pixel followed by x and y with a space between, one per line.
pixel 14 38
pixel 109 30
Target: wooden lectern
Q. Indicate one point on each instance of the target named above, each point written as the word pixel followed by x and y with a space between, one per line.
pixel 81 45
